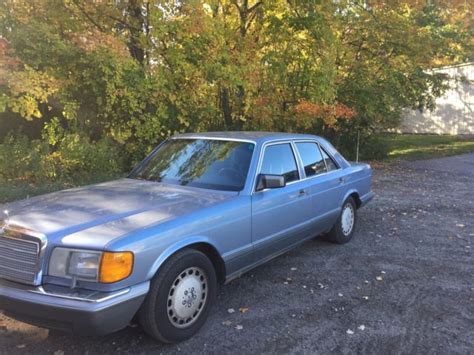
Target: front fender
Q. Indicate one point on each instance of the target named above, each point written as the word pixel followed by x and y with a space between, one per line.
pixel 168 252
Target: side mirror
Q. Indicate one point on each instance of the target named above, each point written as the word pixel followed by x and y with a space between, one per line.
pixel 269 181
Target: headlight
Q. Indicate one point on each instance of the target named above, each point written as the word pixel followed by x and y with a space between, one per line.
pixel 83 265
pixel 87 265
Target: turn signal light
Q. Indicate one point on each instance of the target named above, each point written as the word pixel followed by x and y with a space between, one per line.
pixel 115 266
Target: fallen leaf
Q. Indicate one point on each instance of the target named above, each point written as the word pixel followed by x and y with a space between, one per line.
pixel 379 278
pixel 365 297
pixel 382 272
pixel 294 269
pixel 361 327
pixel 243 309
pixel 21 346
pixel 350 332
pixel 231 310
pixel 460 225
pixel 239 327
pixel 58 352
pixel 227 323
pixel 340 294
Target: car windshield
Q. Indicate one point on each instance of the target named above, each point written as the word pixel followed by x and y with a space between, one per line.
pixel 204 163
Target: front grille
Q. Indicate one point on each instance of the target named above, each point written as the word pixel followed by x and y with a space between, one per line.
pixel 19 258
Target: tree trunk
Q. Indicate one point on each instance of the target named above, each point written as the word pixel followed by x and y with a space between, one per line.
pixel 136 28
pixel 226 109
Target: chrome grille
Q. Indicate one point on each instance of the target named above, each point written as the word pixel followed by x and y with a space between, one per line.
pixel 19 258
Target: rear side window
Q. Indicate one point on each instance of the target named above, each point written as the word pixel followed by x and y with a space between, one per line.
pixel 331 165
pixel 312 159
pixel 278 159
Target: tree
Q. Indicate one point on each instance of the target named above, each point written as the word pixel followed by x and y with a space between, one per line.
pixel 138 71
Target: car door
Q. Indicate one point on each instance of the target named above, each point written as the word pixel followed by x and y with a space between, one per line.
pixel 279 215
pixel 324 182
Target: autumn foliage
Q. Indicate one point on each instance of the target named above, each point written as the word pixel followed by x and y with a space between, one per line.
pixel 329 114
pixel 134 72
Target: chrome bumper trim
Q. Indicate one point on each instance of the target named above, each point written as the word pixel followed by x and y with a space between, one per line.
pixel 66 293
pixel 96 297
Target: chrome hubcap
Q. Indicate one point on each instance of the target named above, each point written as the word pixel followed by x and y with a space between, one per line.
pixel 347 219
pixel 187 297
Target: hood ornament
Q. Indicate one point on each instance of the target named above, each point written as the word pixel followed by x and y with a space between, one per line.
pixel 4 220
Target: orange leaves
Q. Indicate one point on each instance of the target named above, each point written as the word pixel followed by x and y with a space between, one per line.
pixel 330 114
pixel 3 46
pixel 261 101
pixel 7 61
pixel 93 39
pixel 195 22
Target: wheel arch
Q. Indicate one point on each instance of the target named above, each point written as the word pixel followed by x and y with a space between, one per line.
pixel 355 195
pixel 202 244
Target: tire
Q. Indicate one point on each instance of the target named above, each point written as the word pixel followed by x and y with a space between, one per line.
pixel 188 276
pixel 343 229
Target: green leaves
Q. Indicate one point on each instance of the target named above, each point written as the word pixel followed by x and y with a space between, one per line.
pixel 137 73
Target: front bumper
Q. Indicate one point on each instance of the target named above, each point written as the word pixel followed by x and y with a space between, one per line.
pixel 82 312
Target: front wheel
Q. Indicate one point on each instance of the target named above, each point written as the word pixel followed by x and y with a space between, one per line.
pixel 180 297
pixel 343 230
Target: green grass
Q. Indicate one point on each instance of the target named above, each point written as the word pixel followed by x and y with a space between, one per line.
pixel 424 146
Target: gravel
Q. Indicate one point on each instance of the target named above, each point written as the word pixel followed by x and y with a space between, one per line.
pixel 404 284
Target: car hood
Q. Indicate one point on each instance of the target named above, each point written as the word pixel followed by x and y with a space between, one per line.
pixel 94 215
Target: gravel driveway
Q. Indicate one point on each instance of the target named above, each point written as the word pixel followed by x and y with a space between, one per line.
pixel 405 284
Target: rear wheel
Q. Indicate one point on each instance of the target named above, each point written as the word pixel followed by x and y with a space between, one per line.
pixel 180 297
pixel 343 230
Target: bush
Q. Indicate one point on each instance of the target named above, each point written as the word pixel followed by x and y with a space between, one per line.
pixel 78 159
pixel 22 159
pixel 73 158
pixel 371 147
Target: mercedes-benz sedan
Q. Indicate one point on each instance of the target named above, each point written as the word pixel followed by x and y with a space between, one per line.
pixel 199 210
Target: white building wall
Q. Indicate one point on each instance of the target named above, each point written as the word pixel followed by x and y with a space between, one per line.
pixel 454 113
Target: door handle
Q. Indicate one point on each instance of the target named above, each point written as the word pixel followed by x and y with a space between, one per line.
pixel 342 180
pixel 302 192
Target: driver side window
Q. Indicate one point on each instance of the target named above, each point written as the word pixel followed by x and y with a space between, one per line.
pixel 279 159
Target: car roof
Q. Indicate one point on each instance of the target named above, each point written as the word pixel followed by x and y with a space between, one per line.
pixel 255 136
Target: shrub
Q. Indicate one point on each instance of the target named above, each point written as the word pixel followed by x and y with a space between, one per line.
pixel 371 147
pixel 22 159
pixel 73 158
pixel 77 158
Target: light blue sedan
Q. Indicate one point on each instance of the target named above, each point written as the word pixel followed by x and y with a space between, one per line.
pixel 199 210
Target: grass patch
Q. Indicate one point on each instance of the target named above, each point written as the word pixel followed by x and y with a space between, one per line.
pixel 424 146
